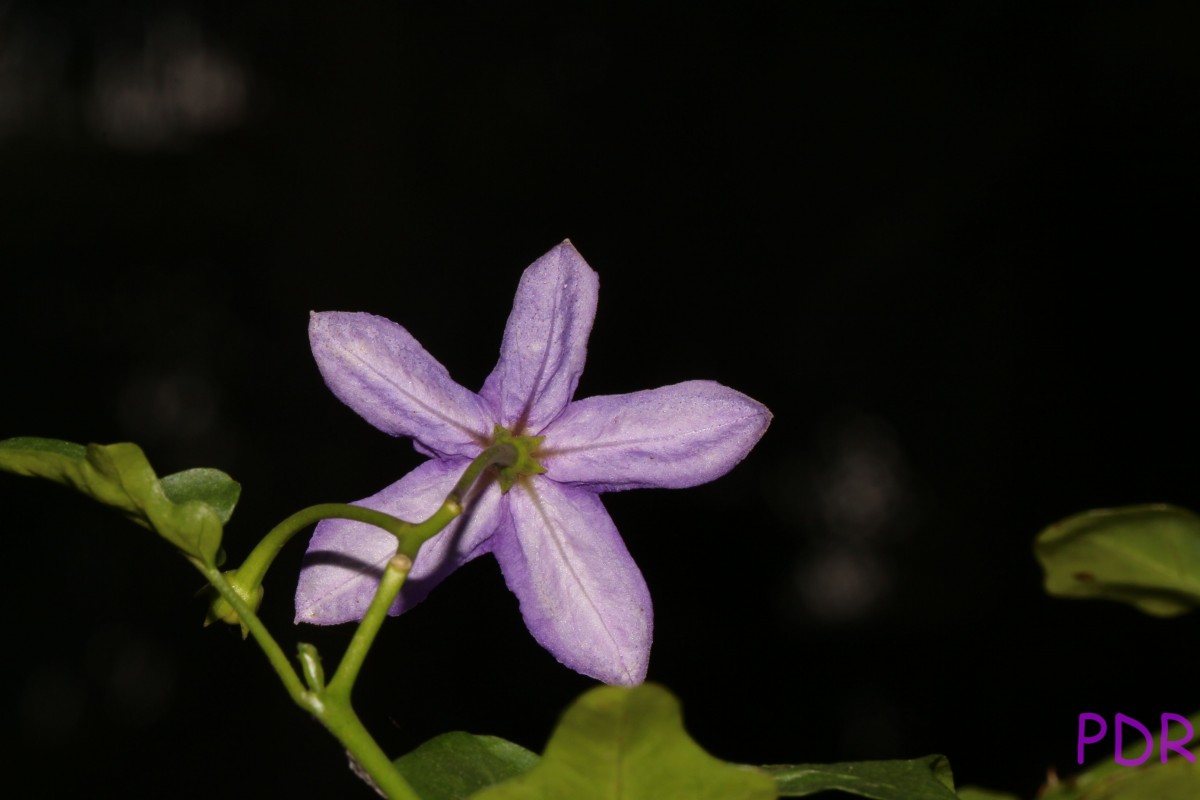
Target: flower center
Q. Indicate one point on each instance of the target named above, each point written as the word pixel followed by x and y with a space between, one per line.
pixel 525 464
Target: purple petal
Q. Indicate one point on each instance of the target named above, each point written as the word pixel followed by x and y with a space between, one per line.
pixel 545 341
pixel 345 558
pixel 681 435
pixel 378 369
pixel 582 596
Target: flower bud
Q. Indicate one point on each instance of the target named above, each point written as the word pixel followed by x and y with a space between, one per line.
pixel 219 609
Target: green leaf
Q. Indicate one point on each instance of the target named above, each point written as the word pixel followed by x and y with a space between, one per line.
pixel 1109 780
pixel 977 793
pixel 1146 556
pixel 453 765
pixel 209 486
pixel 29 449
pixel 187 509
pixel 927 778
pixel 620 743
pixel 91 471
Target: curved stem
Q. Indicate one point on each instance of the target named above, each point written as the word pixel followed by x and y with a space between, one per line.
pixel 411 538
pixel 330 703
pixel 255 567
pixel 274 653
pixel 503 454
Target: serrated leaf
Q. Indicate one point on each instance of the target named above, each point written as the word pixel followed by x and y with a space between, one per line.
pixel 1146 556
pixel 453 765
pixel 927 778
pixel 187 509
pixel 622 743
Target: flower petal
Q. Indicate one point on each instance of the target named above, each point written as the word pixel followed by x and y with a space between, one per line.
pixel 378 369
pixel 582 596
pixel 681 435
pixel 345 558
pixel 545 341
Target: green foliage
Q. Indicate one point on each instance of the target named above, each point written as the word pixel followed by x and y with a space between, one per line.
pixel 927 778
pixel 187 509
pixel 453 765
pixel 210 486
pixel 629 744
pixel 1146 556
pixel 1149 557
pixel 1174 779
pixel 976 793
pixel 618 743
pixel 1177 778
pixel 1109 780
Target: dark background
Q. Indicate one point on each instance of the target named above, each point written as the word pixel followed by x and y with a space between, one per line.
pixel 948 245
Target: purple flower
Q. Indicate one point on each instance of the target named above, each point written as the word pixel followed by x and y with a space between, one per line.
pixel 582 596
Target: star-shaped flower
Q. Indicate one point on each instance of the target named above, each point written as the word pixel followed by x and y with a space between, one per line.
pixel 582 596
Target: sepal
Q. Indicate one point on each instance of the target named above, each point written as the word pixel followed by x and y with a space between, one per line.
pixel 219 609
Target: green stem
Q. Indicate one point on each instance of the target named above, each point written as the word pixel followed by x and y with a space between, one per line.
pixel 364 636
pixel 254 568
pixel 339 719
pixel 274 653
pixel 332 711
pixel 498 455
pixel 330 704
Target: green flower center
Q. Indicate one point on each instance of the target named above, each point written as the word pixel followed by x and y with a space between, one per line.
pixel 525 464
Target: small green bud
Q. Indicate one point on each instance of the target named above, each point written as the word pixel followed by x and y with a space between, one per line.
pixel 219 609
